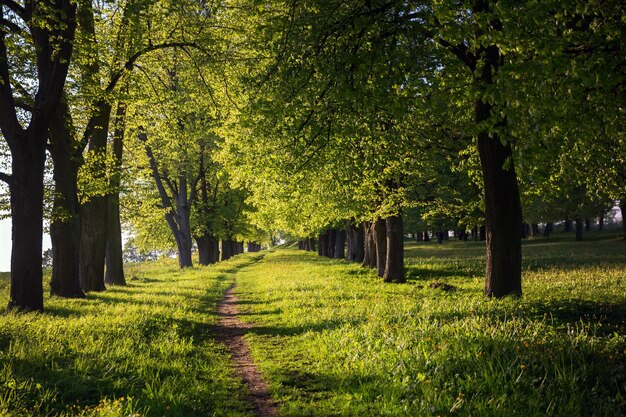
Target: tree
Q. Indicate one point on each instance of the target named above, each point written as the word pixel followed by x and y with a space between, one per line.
pixel 47 29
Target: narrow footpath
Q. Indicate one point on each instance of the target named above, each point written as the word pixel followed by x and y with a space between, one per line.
pixel 230 331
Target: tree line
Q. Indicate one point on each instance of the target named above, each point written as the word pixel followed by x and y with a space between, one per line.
pixel 342 121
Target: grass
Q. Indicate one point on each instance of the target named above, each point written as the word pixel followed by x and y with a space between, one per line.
pixel 333 340
pixel 144 349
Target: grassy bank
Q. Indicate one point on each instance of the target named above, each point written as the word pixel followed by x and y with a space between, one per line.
pixel 333 340
pixel 144 349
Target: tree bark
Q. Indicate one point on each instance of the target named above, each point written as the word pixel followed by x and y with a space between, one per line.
pixel 503 211
pixel 601 222
pixel 380 236
pixel 93 213
pixel 322 243
pixel 567 226
pixel 359 233
pixel 114 273
pixel 394 265
pixel 26 189
pixel 65 224
pixel 340 244
pixel 369 247
pixel 227 249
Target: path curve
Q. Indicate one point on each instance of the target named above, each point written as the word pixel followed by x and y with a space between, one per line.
pixel 230 331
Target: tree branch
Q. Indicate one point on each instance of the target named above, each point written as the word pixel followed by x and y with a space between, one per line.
pixel 6 178
pixel 15 8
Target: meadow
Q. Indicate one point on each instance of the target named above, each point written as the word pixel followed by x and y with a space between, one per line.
pixel 332 340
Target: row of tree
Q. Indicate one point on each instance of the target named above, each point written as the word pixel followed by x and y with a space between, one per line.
pixel 109 117
pixel 231 120
pixel 477 112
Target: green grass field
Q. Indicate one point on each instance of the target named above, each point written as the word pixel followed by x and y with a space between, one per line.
pixel 333 340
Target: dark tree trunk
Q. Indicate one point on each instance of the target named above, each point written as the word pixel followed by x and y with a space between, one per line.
pixel 93 213
pixel 26 189
pixel 587 224
pixel 351 242
pixel 340 244
pixel 394 265
pixel 503 210
pixel 534 230
pixel 482 233
pixel 65 225
pixel 380 237
pixel 227 249
pixel 601 223
pixel 567 226
pixel 439 236
pixel 622 208
pixel 548 229
pixel 114 274
pixel 322 243
pixel 426 237
pixel 206 249
pixel 359 242
pixel 579 230
pixel 330 247
pixel 525 230
pixel 215 250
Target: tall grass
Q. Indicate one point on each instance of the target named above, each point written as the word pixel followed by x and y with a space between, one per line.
pixel 334 340
pixel 144 349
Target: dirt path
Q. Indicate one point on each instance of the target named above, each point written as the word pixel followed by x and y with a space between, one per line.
pixel 230 331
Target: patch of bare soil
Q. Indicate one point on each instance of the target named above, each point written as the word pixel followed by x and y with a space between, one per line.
pixel 230 331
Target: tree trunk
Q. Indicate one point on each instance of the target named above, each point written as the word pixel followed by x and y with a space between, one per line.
pixel 227 249
pixel 394 265
pixel 380 236
pixel 204 249
pixel 114 274
pixel 439 236
pixel 359 233
pixel 65 224
pixel 215 250
pixel 503 211
pixel 426 237
pixel 93 213
pixel 587 224
pixel 369 246
pixel 579 229
pixel 351 242
pixel 534 230
pixel 548 229
pixel 330 247
pixel 26 189
pixel 322 243
pixel 567 226
pixel 622 208
pixel 601 222
pixel 340 244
